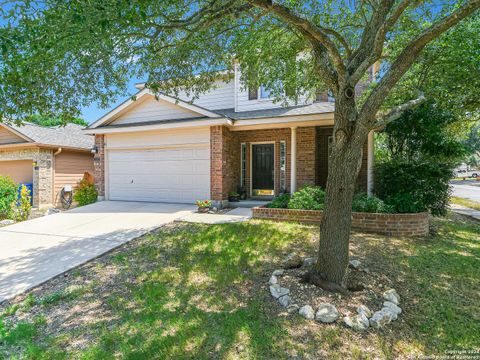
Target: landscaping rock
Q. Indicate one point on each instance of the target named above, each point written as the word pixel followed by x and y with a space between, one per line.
pixel 273 280
pixel 307 262
pixel 278 272
pixel 278 291
pixel 392 296
pixel 393 307
pixel 285 300
pixel 292 261
pixel 7 222
pixel 381 318
pixel 52 211
pixel 362 309
pixel 358 322
pixel 307 312
pixel 327 313
pixel 355 264
pixel 292 308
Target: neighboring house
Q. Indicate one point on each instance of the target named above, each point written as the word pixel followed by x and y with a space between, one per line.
pixel 50 158
pixel 166 149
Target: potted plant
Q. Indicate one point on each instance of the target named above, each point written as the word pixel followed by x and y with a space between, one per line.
pixel 233 196
pixel 242 192
pixel 203 205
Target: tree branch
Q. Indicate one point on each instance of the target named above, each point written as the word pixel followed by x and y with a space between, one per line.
pixel 409 54
pixel 393 114
pixel 309 29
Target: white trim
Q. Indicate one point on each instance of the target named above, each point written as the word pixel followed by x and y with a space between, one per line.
pixel 287 121
pixel 293 160
pixel 242 179
pixel 164 126
pixel 251 162
pixel 110 116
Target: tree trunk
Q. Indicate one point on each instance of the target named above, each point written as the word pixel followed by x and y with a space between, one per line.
pixel 343 168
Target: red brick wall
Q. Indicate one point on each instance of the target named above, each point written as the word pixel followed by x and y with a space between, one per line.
pixel 387 224
pixel 322 160
pixel 306 156
pixel 99 164
pixel 224 162
pixel 267 135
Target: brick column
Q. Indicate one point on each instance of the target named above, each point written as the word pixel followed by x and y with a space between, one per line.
pixel 99 166
pixel 223 174
pixel 306 156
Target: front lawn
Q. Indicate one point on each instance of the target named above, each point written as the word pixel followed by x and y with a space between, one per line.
pixel 198 291
pixel 465 202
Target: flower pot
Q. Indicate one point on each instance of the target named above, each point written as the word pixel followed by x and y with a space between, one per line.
pixel 203 209
pixel 234 198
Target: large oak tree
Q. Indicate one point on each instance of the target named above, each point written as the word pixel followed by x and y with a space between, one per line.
pixel 57 56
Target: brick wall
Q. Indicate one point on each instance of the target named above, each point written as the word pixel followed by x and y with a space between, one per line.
pixel 306 156
pixel 387 224
pixel 42 172
pixel 267 135
pixel 224 162
pixel 99 165
pixel 322 160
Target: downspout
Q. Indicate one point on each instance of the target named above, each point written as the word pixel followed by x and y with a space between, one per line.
pixel 53 174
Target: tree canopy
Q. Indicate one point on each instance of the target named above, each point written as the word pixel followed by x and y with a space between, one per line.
pixel 62 55
pixel 54 121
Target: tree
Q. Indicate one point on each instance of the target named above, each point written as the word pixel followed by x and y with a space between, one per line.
pixel 63 54
pixel 54 121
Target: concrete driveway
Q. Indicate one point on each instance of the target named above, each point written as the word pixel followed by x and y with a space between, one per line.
pixel 34 251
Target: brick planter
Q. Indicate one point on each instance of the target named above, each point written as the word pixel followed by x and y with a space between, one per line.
pixel 387 224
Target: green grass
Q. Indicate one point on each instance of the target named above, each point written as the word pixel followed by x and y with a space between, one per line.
pixel 465 202
pixel 197 291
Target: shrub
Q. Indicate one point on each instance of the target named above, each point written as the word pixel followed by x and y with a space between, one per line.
pixel 414 186
pixel 370 204
pixel 308 198
pixel 24 206
pixel 280 202
pixel 85 193
pixel 8 196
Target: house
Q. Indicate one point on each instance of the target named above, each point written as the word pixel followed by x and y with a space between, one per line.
pixel 169 149
pixel 50 158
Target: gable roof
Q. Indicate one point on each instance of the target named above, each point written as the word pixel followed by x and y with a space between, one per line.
pixel 126 105
pixel 310 109
pixel 70 135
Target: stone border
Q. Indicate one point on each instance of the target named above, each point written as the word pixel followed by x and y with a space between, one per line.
pixel 385 224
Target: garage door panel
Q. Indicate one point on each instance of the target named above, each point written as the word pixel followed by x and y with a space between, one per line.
pixel 161 175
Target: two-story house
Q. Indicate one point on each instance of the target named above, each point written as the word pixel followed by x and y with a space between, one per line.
pixel 167 149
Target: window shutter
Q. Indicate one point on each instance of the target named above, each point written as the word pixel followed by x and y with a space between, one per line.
pixel 252 93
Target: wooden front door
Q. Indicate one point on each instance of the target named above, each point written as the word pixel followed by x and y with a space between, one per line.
pixel 263 170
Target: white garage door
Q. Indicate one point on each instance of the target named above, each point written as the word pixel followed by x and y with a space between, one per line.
pixel 179 174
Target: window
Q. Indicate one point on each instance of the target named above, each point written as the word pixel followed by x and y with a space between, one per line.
pixel 283 166
pixel 243 169
pixel 252 93
pixel 265 93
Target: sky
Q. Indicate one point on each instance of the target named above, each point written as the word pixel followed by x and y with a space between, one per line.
pixel 94 112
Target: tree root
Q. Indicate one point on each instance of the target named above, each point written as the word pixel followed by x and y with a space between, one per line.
pixel 317 280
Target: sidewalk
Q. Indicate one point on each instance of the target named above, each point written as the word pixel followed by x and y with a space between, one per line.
pixel 462 210
pixel 235 215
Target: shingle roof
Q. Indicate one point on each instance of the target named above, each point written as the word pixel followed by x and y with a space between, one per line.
pixel 315 108
pixel 70 135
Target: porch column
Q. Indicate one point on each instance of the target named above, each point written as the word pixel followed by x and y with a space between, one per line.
pixel 293 162
pixel 370 161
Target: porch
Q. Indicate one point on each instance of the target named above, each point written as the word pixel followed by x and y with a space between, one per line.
pixel 267 162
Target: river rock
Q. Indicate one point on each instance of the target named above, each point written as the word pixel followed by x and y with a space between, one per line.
pixel 309 261
pixel 307 312
pixel 381 318
pixel 327 313
pixel 355 264
pixel 278 272
pixel 392 296
pixel 273 280
pixel 362 309
pixel 358 322
pixel 277 291
pixel 285 300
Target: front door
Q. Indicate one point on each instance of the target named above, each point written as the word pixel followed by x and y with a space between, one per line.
pixel 263 169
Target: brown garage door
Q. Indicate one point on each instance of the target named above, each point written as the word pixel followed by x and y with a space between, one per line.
pixel 21 171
